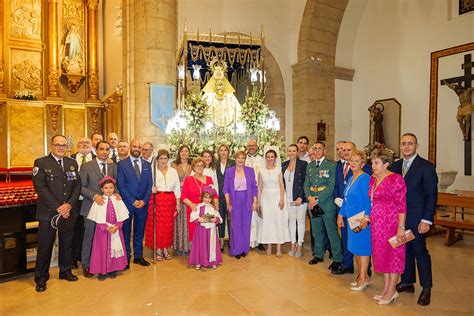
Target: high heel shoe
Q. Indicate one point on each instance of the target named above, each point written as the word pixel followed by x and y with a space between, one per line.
pixel 361 287
pixel 377 297
pixel 386 302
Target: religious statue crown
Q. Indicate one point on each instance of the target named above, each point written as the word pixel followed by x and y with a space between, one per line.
pixel 216 62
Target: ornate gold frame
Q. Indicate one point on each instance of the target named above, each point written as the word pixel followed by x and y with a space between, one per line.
pixel 435 56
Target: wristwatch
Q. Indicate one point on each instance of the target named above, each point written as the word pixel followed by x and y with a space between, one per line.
pixel 401 226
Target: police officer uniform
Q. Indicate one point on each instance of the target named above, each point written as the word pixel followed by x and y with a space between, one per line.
pixel 56 182
pixel 319 182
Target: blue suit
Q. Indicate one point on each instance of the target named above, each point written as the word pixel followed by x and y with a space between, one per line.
pixel 422 194
pixel 347 256
pixel 132 189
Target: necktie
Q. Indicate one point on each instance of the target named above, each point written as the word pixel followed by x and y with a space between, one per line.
pixel 83 160
pixel 346 168
pixel 114 155
pixel 405 167
pixel 104 171
pixel 60 163
pixel 317 163
pixel 137 168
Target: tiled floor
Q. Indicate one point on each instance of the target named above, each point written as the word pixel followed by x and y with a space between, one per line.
pixel 257 284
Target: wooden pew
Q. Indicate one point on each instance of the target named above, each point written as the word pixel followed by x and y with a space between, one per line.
pixel 460 199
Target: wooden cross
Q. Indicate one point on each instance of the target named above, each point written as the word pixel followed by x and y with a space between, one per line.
pixel 467 78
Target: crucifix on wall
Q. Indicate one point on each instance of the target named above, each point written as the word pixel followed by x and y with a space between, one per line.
pixel 462 86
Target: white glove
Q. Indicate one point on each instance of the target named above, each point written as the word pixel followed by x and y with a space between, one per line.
pixel 338 202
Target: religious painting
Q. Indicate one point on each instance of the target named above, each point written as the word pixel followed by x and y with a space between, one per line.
pixel 26 72
pixel 25 19
pixel 72 38
pixel 385 121
pixel 450 111
pixel 466 6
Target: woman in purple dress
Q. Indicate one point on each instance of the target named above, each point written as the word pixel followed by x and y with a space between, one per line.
pixel 241 192
pixel 108 248
pixel 387 192
pixel 205 249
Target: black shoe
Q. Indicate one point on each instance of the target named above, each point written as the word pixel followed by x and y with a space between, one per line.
pixel 425 297
pixel 127 267
pixel 331 266
pixel 141 261
pixel 102 277
pixel 409 288
pixel 68 276
pixel 369 272
pixel 222 250
pixel 315 260
pixel 40 286
pixel 243 254
pixel 261 247
pixel 337 268
pixel 75 264
pixel 86 273
pixel 112 275
pixel 237 257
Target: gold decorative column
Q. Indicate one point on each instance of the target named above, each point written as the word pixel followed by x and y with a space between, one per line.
pixel 53 68
pixel 2 44
pixel 92 67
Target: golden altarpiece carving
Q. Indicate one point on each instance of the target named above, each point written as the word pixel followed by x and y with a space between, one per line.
pixel 48 76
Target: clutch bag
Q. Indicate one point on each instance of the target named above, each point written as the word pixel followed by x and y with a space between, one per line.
pixel 354 223
pixel 409 236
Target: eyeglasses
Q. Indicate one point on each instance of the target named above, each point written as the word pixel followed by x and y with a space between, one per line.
pixel 59 146
pixel 318 148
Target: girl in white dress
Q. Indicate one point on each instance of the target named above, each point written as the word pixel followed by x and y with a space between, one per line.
pixel 272 205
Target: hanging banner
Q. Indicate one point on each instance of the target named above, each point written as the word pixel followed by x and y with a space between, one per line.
pixel 162 100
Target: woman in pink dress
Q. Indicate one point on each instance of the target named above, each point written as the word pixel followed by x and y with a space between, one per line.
pixel 388 195
pixel 192 189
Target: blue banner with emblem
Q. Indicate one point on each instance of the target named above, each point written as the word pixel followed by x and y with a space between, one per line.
pixel 162 100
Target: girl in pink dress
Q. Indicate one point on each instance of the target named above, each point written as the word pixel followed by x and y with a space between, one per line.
pixel 388 195
pixel 205 250
pixel 108 248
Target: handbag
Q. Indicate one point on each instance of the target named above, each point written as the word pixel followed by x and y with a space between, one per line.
pixel 409 236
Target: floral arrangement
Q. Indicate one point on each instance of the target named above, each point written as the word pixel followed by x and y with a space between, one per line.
pixel 254 111
pixel 370 148
pixel 25 95
pixel 196 109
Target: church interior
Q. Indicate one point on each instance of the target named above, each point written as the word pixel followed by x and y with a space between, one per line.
pixel 207 72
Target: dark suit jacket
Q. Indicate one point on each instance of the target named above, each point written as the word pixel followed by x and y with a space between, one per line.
pixel 130 187
pixel 90 177
pixel 422 190
pixel 220 176
pixel 55 186
pixel 340 183
pixel 298 182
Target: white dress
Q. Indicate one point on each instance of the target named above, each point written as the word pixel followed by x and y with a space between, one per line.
pixel 275 228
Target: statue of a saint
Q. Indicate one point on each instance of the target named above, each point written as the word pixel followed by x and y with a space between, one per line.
pixel 465 107
pixel 376 119
pixel 224 108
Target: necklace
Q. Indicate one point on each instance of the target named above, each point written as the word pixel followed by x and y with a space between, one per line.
pixel 198 185
pixel 376 185
pixel 349 186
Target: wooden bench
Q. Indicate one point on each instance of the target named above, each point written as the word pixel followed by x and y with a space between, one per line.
pixel 462 200
pixel 8 172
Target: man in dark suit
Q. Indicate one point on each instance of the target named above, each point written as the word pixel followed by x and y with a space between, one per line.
pixel 134 181
pixel 91 173
pixel 95 138
pixel 58 185
pixel 344 172
pixel 422 193
pixel 112 139
pixel 83 155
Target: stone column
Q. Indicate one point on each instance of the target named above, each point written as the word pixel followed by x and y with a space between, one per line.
pixel 53 68
pixel 92 67
pixel 150 44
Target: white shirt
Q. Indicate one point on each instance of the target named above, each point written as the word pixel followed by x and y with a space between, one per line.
pixel 305 157
pixel 213 174
pixel 289 177
pixel 112 151
pixel 168 183
pixel 79 159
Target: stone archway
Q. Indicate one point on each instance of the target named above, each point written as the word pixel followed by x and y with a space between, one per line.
pixel 315 72
pixel 275 88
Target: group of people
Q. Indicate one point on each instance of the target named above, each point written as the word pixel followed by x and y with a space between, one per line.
pixel 191 205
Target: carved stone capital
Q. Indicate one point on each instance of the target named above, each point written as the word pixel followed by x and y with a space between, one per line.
pixel 53 110
pixel 92 4
pixel 95 115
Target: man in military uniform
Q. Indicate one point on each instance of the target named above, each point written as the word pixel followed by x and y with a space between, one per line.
pixel 58 185
pixel 319 187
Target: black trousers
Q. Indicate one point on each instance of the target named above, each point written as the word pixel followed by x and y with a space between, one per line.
pixel 416 251
pixel 46 237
